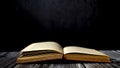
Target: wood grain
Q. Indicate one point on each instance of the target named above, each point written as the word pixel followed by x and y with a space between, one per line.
pixel 8 60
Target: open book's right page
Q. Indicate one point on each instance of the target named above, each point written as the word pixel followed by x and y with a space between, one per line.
pixel 82 50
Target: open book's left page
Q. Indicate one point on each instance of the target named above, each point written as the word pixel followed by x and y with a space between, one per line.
pixel 43 46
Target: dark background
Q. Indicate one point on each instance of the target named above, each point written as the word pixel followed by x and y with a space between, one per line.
pixel 87 23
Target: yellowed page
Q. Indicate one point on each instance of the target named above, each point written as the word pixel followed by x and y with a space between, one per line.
pixel 76 49
pixel 43 46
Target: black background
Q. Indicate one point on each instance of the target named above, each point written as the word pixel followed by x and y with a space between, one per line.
pixel 87 23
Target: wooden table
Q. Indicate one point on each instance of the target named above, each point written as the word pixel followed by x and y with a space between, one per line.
pixel 8 59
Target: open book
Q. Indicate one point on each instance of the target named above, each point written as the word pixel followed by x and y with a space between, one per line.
pixel 42 51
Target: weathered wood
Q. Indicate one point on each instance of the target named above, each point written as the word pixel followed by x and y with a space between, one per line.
pixel 114 55
pixel 3 54
pixel 49 66
pixel 8 60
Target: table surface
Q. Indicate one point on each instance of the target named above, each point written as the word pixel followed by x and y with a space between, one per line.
pixel 8 60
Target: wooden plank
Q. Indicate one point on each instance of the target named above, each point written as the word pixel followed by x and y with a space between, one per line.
pixel 117 51
pixel 75 65
pixel 24 66
pixel 9 60
pixel 106 65
pixel 114 55
pixel 3 54
pixel 92 65
pixel 115 65
pixel 80 65
pixel 98 65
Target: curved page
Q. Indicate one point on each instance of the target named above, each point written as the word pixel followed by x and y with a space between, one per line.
pixel 43 46
pixel 82 50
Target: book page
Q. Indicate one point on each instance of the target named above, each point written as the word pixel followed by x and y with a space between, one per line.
pixel 43 46
pixel 82 50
